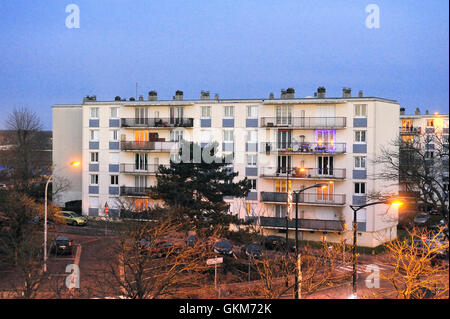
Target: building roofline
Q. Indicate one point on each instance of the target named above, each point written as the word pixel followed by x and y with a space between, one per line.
pixel 418 116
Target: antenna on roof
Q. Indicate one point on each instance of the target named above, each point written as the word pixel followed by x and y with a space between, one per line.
pixel 136 90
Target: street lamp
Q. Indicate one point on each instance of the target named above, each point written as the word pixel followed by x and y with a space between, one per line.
pixel 75 163
pixel 297 195
pixel 355 209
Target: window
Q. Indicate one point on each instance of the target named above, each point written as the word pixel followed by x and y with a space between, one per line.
pixel 429 154
pixel 114 179
pixel 360 188
pixel 252 184
pixel 94 112
pixel 114 135
pixel 206 136
pixel 94 157
pixel 114 158
pixel 94 179
pixel 114 112
pixel 360 110
pixel 229 111
pixel 206 112
pixel 228 136
pixel 360 162
pixel 280 211
pixel 252 112
pixel 430 123
pixel 176 136
pixel 280 186
pixel 360 136
pixel 94 135
pixel 93 202
pixel 252 160
pixel 252 136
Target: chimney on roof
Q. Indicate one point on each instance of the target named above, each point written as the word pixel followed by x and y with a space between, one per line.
pixel 117 98
pixel 216 97
pixel 290 93
pixel 132 99
pixel 141 98
pixel 152 95
pixel 417 111
pixel 321 92
pixel 89 98
pixel 283 94
pixel 178 95
pixel 360 93
pixel 402 111
pixel 427 112
pixel 346 92
pixel 271 96
pixel 204 95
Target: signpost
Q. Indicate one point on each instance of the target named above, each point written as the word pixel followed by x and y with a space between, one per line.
pixel 215 261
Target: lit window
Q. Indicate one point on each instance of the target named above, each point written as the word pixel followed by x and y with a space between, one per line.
pixel 430 123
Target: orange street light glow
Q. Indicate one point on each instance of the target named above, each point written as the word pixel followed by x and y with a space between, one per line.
pixel 397 203
pixel 302 169
pixel 76 163
pixel 324 186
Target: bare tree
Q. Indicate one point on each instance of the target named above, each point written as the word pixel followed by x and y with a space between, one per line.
pixel 418 272
pixel 26 126
pixel 418 165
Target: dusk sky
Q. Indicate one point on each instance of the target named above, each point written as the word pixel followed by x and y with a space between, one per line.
pixel 238 49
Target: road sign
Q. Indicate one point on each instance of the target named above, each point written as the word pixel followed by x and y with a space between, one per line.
pixel 214 261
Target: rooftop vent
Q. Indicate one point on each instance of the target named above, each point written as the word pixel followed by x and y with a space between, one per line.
pixel 271 96
pixel 427 112
pixel 90 98
pixel 321 92
pixel 216 97
pixel 283 94
pixel 402 111
pixel 346 92
pixel 117 98
pixel 152 95
pixel 417 111
pixel 360 93
pixel 141 98
pixel 204 95
pixel 178 95
pixel 132 99
pixel 290 93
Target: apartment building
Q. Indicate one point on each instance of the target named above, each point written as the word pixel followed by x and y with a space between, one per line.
pixel 430 132
pixel 281 144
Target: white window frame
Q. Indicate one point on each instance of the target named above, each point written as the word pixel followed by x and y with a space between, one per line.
pixel 206 112
pixel 252 160
pixel 364 158
pixel 113 156
pixel 250 135
pixel 250 113
pixel 114 135
pixel 92 180
pixel 115 176
pixel 95 161
pixel 115 110
pixel 205 133
pixel 176 135
pixel 226 136
pixel 360 188
pixel 361 133
pixel 358 108
pixel 228 111
pixel 253 181
pixel 91 200
pixel 94 135
pixel 94 112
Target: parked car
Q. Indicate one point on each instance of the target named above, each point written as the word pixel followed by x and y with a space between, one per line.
pixel 62 246
pixel 223 247
pixel 3 187
pixel 160 248
pixel 274 242
pixel 252 250
pixel 191 240
pixel 422 219
pixel 70 218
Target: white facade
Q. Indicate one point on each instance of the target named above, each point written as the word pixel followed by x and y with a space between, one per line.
pixel 316 140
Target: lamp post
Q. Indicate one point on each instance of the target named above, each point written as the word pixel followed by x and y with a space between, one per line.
pixel 76 163
pixel 355 209
pixel 297 291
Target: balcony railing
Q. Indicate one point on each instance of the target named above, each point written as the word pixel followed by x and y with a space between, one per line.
pixel 134 191
pixel 305 122
pixel 297 172
pixel 303 148
pixel 149 169
pixel 306 198
pixel 308 224
pixel 148 146
pixel 410 130
pixel 157 122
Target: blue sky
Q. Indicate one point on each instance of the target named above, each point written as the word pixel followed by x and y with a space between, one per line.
pixel 238 49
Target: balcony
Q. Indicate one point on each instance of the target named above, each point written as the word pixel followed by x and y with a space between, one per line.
pixel 304 173
pixel 143 169
pixel 303 148
pixel 305 122
pixel 306 198
pixel 410 130
pixel 148 146
pixel 134 191
pixel 303 224
pixel 157 122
